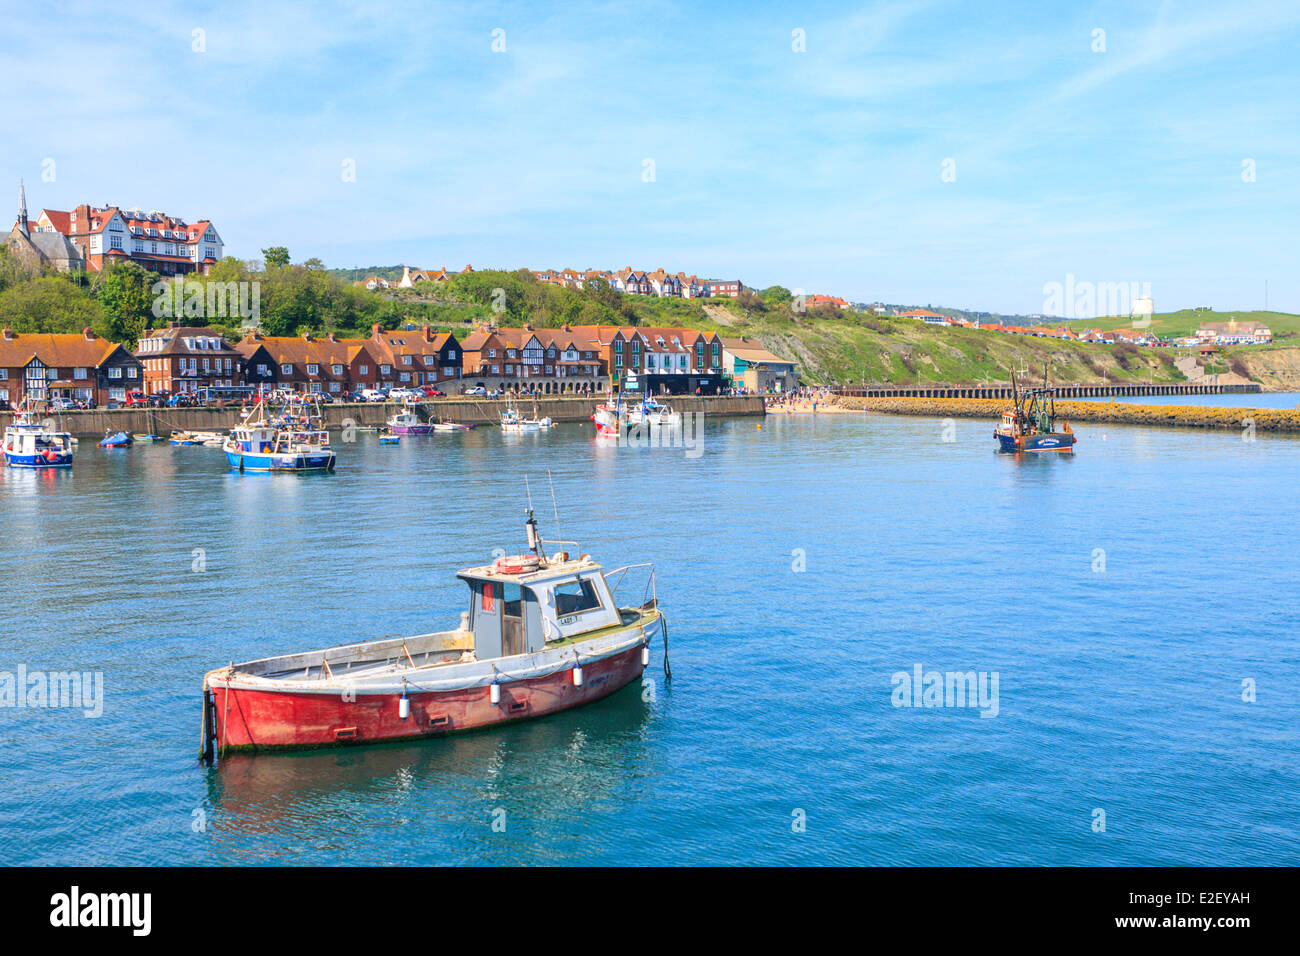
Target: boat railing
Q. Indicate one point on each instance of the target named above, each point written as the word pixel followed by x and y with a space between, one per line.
pixel 649 598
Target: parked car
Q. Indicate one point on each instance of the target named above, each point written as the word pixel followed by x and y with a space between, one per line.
pixel 158 399
pixel 400 394
pixel 62 404
pixel 135 400
pixel 373 395
pixel 475 390
pixel 431 391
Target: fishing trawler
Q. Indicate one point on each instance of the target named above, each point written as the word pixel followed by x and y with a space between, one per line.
pixel 294 440
pixel 30 444
pixel 1030 423
pixel 542 634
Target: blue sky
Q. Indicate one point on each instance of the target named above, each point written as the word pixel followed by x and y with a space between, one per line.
pixel 819 170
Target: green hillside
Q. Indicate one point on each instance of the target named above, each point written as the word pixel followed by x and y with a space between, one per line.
pixel 1285 325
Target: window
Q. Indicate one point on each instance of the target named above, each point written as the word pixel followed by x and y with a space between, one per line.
pixel 385 370
pixel 227 365
pixel 4 374
pixel 428 359
pixel 363 369
pixel 336 369
pixel 492 353
pixel 78 373
pixel 406 360
pixel 263 371
pixel 451 355
pixel 115 372
pixel 313 369
pixel 130 371
pixel 286 369
pixel 406 376
pixel 575 597
pixel 510 353
pixel 205 363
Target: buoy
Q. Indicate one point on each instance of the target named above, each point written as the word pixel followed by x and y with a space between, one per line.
pixel 518 564
pixel 645 655
pixel 494 692
pixel 577 675
pixel 404 706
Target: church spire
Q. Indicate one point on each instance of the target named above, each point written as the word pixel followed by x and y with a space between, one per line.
pixel 22 208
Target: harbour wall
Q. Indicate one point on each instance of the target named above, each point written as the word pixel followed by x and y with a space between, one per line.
pixel 162 421
pixel 1130 390
pixel 1120 413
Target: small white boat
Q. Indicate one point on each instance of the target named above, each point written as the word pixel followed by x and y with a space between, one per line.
pixel 652 413
pixel 512 421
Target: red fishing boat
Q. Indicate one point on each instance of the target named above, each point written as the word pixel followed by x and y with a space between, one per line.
pixel 542 634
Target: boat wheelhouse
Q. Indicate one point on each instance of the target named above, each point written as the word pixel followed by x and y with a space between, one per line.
pixel 29 443
pixel 292 441
pixel 541 635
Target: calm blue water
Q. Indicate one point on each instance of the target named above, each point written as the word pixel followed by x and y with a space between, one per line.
pixel 1120 689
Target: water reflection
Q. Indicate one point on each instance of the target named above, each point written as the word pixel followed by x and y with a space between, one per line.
pixel 565 765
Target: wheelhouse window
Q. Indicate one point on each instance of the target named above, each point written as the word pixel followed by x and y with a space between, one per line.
pixel 575 597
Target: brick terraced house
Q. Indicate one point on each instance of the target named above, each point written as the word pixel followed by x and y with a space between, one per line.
pixel 187 358
pixel 83 367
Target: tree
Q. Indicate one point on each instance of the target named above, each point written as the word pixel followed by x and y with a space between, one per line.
pixel 277 257
pixel 776 295
pixel 49 304
pixel 124 292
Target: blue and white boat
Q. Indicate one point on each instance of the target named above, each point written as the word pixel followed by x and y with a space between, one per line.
pixel 28 443
pixel 292 441
pixel 116 440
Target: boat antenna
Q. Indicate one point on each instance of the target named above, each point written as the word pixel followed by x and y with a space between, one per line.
pixel 554 506
pixel 534 539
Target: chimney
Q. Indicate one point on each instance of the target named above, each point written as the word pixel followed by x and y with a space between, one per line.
pixel 376 329
pixel 528 326
pixel 331 337
pixel 428 336
pixel 306 336
pixel 8 334
pixel 565 328
pixel 90 336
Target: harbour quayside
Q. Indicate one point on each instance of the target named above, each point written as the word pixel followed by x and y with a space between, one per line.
pixel 295 440
pixel 29 443
pixel 542 634
pixel 1030 424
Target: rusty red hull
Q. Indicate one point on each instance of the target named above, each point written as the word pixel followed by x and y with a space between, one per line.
pixel 265 720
